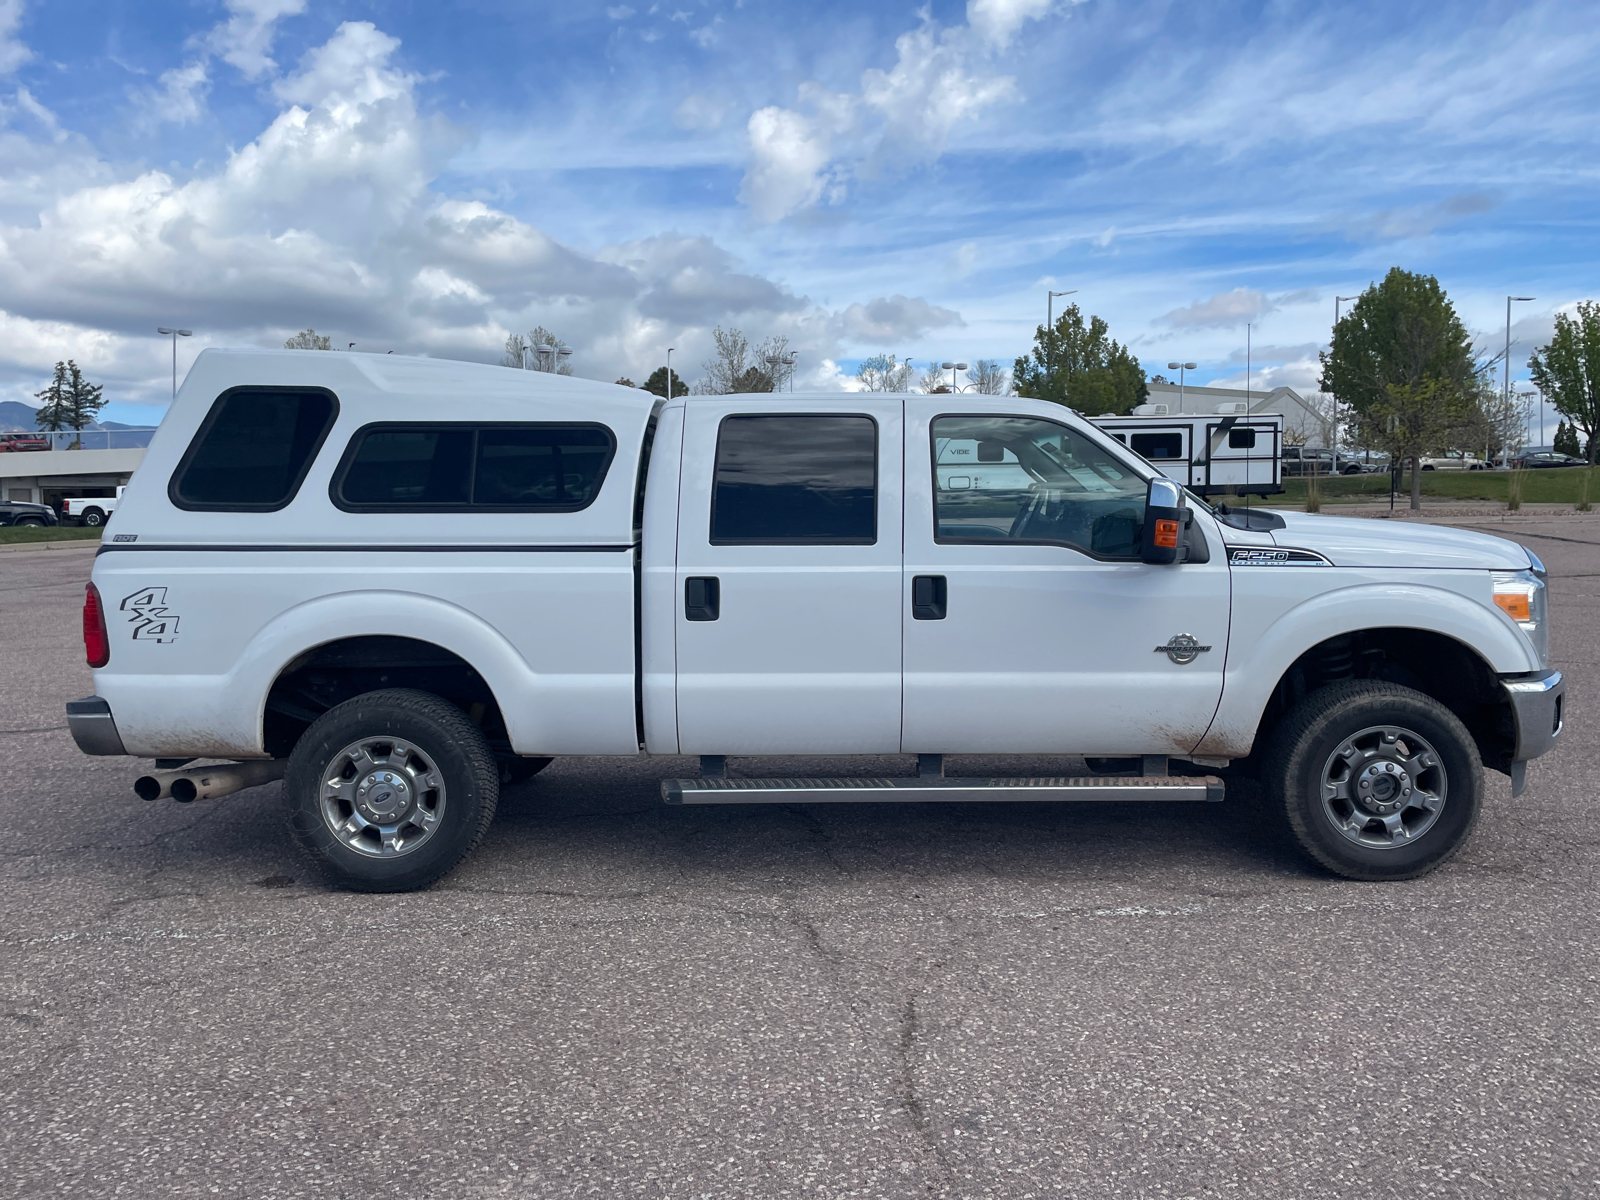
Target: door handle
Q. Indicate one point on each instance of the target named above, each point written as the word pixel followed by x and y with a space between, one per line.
pixel 702 598
pixel 928 596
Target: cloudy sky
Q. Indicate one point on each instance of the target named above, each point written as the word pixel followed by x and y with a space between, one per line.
pixel 861 177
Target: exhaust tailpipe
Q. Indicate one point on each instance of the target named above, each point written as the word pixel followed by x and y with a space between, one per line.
pixel 208 783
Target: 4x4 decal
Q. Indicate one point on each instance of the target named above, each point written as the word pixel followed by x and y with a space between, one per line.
pixel 147 611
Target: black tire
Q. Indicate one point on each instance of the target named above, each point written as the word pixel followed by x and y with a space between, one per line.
pixel 439 736
pixel 1301 753
pixel 31 521
pixel 92 517
pixel 518 769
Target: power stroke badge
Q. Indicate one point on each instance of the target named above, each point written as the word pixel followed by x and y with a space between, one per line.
pixel 1182 648
pixel 148 614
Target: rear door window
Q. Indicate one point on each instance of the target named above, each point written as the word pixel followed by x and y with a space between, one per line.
pixel 253 450
pixel 1158 446
pixel 795 480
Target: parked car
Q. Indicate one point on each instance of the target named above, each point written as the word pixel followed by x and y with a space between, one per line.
pixel 1453 460
pixel 18 512
pixel 396 583
pixel 11 442
pixel 1307 460
pixel 1547 458
pixel 90 510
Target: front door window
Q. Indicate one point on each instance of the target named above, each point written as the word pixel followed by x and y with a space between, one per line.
pixel 1021 479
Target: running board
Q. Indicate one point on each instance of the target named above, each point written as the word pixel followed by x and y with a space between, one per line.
pixel 1099 788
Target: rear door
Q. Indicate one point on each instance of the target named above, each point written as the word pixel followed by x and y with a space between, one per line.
pixel 788 577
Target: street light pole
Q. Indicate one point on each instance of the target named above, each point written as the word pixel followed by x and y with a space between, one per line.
pixel 1180 368
pixel 670 349
pixel 1507 386
pixel 175 334
pixel 1050 323
pixel 953 367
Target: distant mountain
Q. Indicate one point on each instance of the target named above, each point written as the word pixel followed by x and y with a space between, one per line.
pixel 16 416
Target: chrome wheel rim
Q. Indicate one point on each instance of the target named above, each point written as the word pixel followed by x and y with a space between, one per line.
pixel 1383 787
pixel 382 797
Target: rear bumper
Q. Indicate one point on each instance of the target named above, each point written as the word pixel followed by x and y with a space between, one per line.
pixel 93 727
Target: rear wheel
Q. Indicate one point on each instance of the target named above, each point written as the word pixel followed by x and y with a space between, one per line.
pixel 391 790
pixel 93 516
pixel 1375 781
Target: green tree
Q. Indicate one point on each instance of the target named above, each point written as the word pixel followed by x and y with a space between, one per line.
pixel 69 402
pixel 1401 348
pixel 884 373
pixel 308 339
pixel 54 402
pixel 1567 371
pixel 524 352
pixel 657 383
pixel 1566 439
pixel 1080 366
pixel 735 367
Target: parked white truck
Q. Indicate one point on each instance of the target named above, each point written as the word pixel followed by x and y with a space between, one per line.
pixel 399 583
pixel 90 510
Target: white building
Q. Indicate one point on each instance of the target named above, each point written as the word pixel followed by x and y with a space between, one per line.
pixel 47 476
pixel 1303 423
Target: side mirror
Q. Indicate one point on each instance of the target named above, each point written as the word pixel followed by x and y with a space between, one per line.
pixel 1164 513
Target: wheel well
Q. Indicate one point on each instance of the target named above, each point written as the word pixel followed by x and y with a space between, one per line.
pixel 338 671
pixel 1433 663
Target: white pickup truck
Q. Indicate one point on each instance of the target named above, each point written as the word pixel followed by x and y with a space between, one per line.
pixel 90 510
pixel 400 583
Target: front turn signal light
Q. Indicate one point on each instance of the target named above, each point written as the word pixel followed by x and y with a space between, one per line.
pixel 1516 605
pixel 1167 534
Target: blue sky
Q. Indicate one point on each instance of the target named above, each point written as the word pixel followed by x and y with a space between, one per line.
pixel 859 178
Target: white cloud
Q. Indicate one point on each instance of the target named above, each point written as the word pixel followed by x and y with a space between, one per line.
pixel 790 154
pixel 962 263
pixel 901 115
pixel 699 112
pixel 26 102
pixel 245 39
pixel 620 13
pixel 13 53
pixel 1225 310
pixel 894 319
pixel 328 218
pixel 997 21
pixel 179 98
pixel 706 35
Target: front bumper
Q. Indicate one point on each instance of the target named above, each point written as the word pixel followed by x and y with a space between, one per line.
pixel 1537 709
pixel 92 726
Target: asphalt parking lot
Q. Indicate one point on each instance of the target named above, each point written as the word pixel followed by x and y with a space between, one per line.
pixel 622 1000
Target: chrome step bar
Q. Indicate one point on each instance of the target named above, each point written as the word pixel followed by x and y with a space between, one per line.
pixel 922 790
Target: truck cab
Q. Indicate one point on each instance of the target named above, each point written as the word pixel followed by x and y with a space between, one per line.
pixel 401 583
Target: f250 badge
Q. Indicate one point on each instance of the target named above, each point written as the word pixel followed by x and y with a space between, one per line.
pixel 147 612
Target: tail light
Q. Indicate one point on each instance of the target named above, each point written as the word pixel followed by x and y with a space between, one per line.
pixel 96 642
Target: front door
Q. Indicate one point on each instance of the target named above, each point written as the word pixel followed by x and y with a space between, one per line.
pixel 788 577
pixel 1032 625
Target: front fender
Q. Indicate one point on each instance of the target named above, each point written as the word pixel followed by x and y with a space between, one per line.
pixel 1260 650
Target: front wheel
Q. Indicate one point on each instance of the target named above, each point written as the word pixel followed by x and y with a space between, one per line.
pixel 391 790
pixel 1375 781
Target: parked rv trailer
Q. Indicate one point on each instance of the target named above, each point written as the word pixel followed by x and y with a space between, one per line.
pixel 1212 454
